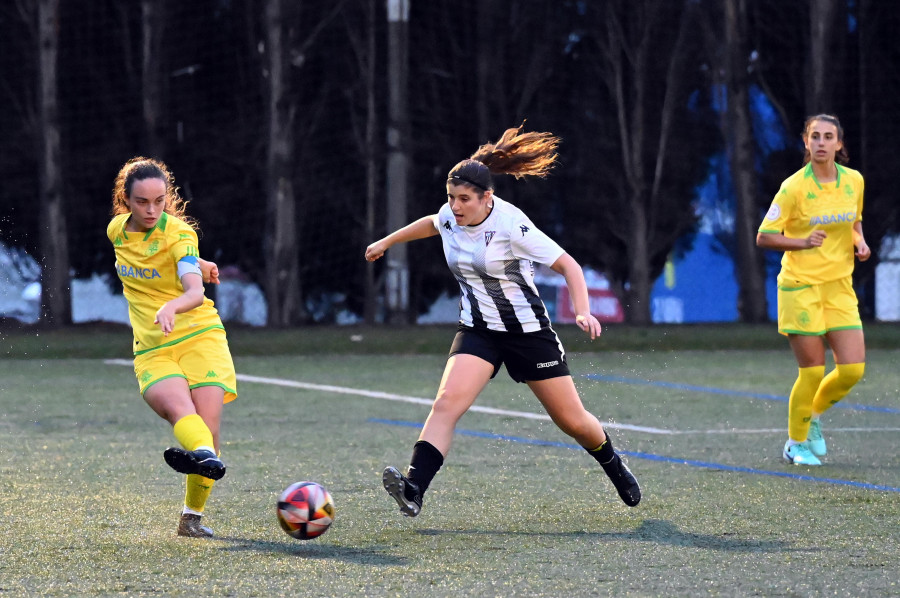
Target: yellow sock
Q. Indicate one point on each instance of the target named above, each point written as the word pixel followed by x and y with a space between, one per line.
pixel 801 401
pixel 836 385
pixel 191 431
pixel 197 492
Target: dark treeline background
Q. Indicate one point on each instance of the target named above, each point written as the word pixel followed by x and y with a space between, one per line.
pixel 301 130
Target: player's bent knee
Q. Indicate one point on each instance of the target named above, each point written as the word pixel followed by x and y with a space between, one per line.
pixel 448 405
pixel 576 427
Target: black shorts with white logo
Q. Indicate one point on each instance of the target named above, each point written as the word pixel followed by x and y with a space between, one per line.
pixel 529 356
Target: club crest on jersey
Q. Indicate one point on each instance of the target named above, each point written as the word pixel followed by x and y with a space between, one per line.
pixel 488 235
pixel 524 229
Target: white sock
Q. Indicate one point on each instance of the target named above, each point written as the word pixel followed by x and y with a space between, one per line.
pixel 187 511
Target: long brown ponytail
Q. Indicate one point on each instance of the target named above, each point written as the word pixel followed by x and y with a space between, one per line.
pixel 516 153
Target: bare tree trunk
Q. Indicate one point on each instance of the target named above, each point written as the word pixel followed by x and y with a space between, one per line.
pixel 822 15
pixel 752 304
pixel 283 296
pixel 862 25
pixel 484 11
pixel 629 110
pixel 637 302
pixel 627 62
pixel 397 277
pixel 371 290
pixel 56 304
pixel 153 82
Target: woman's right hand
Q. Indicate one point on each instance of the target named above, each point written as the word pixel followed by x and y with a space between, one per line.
pixel 165 317
pixel 815 239
pixel 376 250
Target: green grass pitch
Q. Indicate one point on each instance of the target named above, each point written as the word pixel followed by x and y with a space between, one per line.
pixel 89 508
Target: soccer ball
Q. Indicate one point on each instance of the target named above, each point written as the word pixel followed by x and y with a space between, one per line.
pixel 305 510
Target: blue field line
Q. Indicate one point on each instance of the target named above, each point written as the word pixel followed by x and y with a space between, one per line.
pixel 652 457
pixel 733 393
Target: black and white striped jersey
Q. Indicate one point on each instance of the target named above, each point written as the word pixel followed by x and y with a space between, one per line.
pixel 494 265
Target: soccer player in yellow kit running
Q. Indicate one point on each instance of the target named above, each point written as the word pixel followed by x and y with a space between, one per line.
pixel 816 220
pixel 181 357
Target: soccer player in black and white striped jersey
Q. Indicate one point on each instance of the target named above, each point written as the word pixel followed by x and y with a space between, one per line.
pixel 491 246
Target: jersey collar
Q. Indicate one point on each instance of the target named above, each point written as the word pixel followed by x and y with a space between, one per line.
pixel 160 224
pixel 808 173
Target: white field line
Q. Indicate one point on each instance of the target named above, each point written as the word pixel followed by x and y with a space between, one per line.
pixel 387 396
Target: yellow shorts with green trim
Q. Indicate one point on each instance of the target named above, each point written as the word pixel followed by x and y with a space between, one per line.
pixel 202 360
pixel 814 309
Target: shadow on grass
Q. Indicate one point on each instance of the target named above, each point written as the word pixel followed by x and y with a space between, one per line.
pixel 311 550
pixel 657 531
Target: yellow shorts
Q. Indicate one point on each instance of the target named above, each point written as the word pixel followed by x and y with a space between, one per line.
pixel 814 309
pixel 202 360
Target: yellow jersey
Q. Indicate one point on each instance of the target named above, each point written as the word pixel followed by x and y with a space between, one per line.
pixel 147 265
pixel 803 205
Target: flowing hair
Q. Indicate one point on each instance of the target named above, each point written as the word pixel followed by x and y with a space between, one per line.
pixel 139 169
pixel 516 153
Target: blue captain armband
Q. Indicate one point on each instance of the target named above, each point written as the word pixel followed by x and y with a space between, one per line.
pixel 188 265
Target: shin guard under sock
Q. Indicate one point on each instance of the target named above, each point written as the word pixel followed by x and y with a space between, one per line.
pixel 197 492
pixel 800 404
pixel 424 465
pixel 836 385
pixel 192 432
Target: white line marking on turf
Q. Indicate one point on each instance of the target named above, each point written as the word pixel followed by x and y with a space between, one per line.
pixel 387 396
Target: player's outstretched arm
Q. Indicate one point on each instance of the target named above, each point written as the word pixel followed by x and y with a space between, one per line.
pixel 420 229
pixel 778 242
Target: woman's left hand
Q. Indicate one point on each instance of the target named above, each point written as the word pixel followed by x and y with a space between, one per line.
pixel 862 251
pixel 209 271
pixel 589 324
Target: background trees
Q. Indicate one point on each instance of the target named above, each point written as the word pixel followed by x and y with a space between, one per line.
pixel 275 118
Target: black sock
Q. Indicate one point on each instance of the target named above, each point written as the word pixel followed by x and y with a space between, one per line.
pixel 424 465
pixel 604 454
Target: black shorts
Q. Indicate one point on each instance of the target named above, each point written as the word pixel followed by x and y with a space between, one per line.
pixel 528 356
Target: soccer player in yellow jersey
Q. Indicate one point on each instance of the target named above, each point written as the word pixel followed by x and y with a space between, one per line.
pixel 816 220
pixel 181 357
